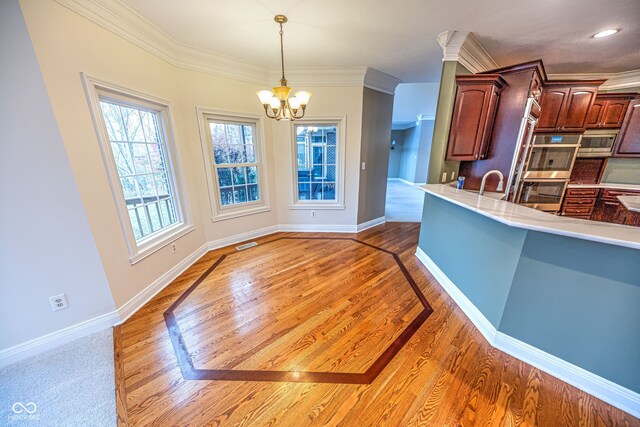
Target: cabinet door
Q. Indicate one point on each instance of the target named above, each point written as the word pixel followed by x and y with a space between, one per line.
pixel 551 104
pixel 472 121
pixel 633 218
pixel 628 144
pixel 613 114
pixel 574 114
pixel 608 211
pixel 593 119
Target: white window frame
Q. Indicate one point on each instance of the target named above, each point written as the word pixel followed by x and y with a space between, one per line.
pixel 95 90
pixel 218 211
pixel 340 122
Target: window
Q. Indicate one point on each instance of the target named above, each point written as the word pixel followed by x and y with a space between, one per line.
pixel 136 147
pixel 234 160
pixel 233 149
pixel 318 171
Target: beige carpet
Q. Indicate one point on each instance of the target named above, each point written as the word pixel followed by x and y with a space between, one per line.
pixel 71 385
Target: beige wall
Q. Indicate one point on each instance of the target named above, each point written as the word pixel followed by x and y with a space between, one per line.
pixel 67 44
pixel 377 109
pixel 327 102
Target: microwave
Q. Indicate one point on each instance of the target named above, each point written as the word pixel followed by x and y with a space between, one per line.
pixel 597 143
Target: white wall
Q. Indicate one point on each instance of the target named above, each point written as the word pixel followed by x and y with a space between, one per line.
pixel 412 99
pixel 424 151
pixel 395 155
pixel 413 152
pixel 46 245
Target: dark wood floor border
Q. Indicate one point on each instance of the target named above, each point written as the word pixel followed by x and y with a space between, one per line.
pixel 190 372
pixel 121 390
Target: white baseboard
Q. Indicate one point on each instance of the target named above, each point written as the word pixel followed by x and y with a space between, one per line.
pixel 606 390
pixel 484 326
pixel 227 241
pixel 95 324
pixel 370 224
pixel 318 228
pixel 116 317
pixel 57 338
pixel 406 182
pixel 144 296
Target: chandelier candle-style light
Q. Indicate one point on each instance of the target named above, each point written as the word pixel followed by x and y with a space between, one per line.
pixel 276 102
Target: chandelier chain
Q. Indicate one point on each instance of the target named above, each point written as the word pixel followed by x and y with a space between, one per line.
pixel 283 80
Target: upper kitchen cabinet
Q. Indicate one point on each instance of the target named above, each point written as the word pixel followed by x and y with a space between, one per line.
pixel 565 105
pixel 628 142
pixel 474 112
pixel 608 110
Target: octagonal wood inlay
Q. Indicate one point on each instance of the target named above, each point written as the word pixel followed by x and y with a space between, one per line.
pixel 298 309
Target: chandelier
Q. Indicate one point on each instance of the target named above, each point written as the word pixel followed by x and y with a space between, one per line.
pixel 276 102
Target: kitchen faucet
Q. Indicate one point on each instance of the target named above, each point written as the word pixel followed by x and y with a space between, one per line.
pixel 484 180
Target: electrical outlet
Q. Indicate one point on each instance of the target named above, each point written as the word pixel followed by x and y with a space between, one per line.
pixel 363 165
pixel 444 177
pixel 58 302
pixel 453 175
pixel 313 214
pixel 173 248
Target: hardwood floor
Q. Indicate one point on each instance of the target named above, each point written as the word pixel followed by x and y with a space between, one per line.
pixel 300 305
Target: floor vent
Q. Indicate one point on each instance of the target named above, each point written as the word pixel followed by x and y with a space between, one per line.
pixel 246 246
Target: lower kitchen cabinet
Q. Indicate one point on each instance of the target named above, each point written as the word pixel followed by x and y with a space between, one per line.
pixel 579 202
pixel 609 209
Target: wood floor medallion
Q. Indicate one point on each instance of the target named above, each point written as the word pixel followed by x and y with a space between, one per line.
pixel 373 289
pixel 343 314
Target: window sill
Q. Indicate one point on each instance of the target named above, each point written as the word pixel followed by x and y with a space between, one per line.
pixel 317 206
pixel 240 213
pixel 160 241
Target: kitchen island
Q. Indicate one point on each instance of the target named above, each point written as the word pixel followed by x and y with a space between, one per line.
pixel 562 294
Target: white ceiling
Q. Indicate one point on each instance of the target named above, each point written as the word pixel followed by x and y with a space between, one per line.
pixel 399 37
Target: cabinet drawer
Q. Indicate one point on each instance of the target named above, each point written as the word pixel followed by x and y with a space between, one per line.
pixel 577 210
pixel 582 192
pixel 580 201
pixel 613 194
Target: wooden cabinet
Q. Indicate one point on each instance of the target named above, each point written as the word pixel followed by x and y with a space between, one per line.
pixel 474 112
pixel 609 209
pixel 628 141
pixel 579 202
pixel 608 111
pixel 566 104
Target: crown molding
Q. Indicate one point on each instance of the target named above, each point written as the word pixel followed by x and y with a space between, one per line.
pixel 464 48
pixel 324 76
pixel 422 117
pixel 337 77
pixel 123 21
pixel 621 80
pixel 382 82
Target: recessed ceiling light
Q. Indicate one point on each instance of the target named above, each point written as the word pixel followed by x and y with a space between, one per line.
pixel 605 33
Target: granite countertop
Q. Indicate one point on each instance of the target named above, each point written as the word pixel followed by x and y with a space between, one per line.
pixel 632 203
pixel 605 185
pixel 515 215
